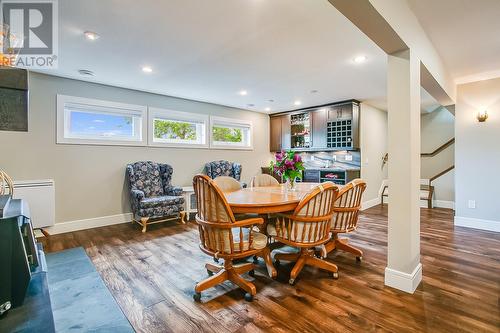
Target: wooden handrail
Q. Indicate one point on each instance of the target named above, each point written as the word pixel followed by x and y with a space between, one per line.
pixel 439 149
pixel 441 173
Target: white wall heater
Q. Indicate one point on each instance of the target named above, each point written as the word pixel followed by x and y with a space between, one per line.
pixel 40 195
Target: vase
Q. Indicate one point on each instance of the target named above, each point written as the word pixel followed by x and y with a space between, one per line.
pixel 291 184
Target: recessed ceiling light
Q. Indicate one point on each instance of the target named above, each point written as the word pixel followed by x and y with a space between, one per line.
pixel 86 72
pixel 90 35
pixel 243 92
pixel 314 91
pixel 271 100
pixel 250 105
pixel 147 69
pixel 360 59
pixel 297 103
pixel 267 109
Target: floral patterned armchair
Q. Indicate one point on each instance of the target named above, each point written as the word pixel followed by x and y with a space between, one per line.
pixel 152 196
pixel 223 168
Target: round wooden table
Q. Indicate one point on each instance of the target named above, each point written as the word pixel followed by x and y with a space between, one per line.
pixel 265 200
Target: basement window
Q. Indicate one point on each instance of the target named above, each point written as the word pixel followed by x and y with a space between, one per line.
pixel 228 133
pixel 97 122
pixel 169 128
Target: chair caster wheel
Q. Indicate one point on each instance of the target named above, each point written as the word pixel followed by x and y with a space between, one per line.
pixel 335 275
pixel 216 260
pixel 291 282
pixel 209 272
pixel 248 297
pixel 358 259
pixel 255 259
pixel 251 273
pixel 197 297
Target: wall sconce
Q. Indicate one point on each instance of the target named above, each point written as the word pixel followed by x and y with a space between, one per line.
pixel 482 116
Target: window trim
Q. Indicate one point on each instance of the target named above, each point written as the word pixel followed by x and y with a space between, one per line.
pixel 135 110
pixel 180 116
pixel 214 120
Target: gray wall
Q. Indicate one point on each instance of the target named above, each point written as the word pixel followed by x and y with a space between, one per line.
pixel 477 152
pixel 90 179
pixel 373 144
pixel 438 127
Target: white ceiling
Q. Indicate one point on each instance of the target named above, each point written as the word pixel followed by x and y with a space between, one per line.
pixel 210 50
pixel 466 33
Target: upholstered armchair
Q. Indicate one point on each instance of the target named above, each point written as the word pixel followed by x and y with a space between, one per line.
pixel 224 168
pixel 152 196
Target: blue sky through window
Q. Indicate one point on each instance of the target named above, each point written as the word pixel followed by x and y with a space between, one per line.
pixel 104 125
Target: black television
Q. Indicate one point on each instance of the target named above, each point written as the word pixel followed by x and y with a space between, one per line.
pixel 13 99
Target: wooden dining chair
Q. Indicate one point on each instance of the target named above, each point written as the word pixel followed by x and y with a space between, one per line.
pixel 345 218
pixel 6 184
pixel 227 184
pixel 264 180
pixel 221 236
pixel 306 227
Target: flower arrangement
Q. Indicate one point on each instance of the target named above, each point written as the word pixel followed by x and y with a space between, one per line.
pixel 288 165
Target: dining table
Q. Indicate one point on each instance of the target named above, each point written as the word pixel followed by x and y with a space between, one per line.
pixel 267 199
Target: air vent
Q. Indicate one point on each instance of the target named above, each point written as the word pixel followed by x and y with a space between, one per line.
pixel 86 72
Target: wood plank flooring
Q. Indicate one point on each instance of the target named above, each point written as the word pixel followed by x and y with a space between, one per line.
pixel 152 277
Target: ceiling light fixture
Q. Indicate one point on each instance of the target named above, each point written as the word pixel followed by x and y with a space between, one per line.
pixel 267 109
pixel 90 35
pixel 360 59
pixel 297 103
pixel 147 69
pixel 243 92
pixel 314 91
pixel 271 100
pixel 250 105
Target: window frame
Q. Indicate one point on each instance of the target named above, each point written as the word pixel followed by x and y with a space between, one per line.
pixel 179 116
pixel 133 110
pixel 214 121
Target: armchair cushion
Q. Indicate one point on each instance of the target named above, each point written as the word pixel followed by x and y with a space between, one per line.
pixel 160 201
pixel 300 236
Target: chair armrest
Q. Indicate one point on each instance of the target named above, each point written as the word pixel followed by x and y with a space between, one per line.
pixel 137 194
pixel 237 224
pixel 175 191
pixel 243 185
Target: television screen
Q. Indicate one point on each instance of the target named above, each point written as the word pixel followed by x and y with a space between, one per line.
pixel 13 99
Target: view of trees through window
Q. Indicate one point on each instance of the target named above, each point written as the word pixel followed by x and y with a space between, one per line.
pixel 227 134
pixel 174 130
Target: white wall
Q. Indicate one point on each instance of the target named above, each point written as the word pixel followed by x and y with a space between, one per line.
pixel 477 155
pixel 90 180
pixel 373 143
pixel 437 128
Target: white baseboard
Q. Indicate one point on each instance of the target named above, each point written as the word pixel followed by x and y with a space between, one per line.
pixel 370 203
pixel 96 222
pixel 477 223
pixel 403 281
pixel 444 204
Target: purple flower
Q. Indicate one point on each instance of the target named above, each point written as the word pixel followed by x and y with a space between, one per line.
pixel 297 158
pixel 289 164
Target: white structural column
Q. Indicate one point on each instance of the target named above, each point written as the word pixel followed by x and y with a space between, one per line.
pixel 404 270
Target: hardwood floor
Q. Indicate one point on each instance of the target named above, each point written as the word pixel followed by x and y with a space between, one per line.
pixel 152 277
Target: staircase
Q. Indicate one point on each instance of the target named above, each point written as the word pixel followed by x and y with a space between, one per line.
pixel 426 187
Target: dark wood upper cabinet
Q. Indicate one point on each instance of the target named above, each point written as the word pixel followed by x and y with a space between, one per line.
pixel 333 127
pixel 280 133
pixel 275 137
